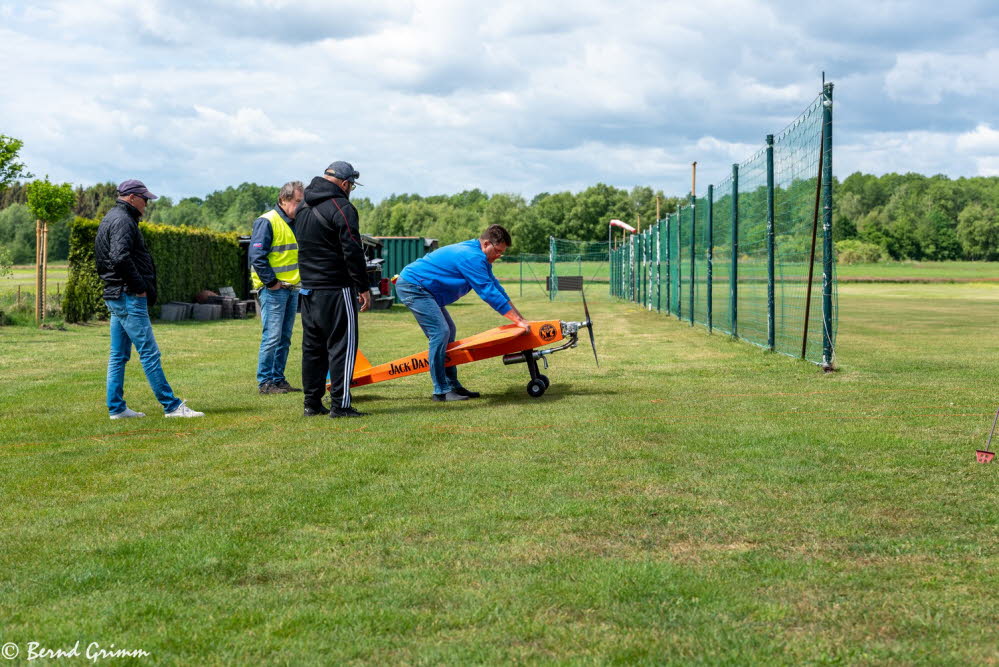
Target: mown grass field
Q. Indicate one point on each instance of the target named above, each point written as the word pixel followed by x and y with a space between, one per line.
pixel 694 499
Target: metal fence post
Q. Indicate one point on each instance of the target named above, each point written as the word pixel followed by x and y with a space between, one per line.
pixel 733 291
pixel 771 323
pixel 669 273
pixel 552 275
pixel 711 249
pixel 659 266
pixel 693 238
pixel 827 242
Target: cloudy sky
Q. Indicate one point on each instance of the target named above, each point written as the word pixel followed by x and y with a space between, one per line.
pixel 513 96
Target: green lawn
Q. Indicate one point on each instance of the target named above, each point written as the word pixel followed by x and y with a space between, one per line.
pixel 694 499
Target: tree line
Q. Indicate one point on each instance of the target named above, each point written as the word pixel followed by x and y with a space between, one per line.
pixel 896 216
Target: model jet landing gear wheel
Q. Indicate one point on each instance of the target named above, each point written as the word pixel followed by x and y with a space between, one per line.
pixel 535 388
pixel 544 378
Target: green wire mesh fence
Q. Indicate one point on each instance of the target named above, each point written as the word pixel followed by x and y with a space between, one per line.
pixel 753 257
pixel 586 260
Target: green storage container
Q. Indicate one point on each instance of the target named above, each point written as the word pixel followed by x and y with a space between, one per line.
pixel 398 251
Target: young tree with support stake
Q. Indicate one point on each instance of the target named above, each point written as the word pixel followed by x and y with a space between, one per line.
pixel 47 202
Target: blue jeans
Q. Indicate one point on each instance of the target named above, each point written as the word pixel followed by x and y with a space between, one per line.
pixel 438 326
pixel 130 325
pixel 277 313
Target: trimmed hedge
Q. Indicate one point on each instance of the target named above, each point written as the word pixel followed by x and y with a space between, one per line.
pixel 188 260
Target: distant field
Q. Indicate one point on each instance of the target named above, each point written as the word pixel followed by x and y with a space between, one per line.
pixel 921 270
pixel 24 275
pixel 882 272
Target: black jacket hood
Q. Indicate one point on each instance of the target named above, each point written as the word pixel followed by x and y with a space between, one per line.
pixel 320 189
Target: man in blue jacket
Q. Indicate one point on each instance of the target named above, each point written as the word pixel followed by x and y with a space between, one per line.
pixel 432 282
pixel 275 276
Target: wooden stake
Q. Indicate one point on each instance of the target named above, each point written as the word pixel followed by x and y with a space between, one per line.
pixel 693 179
pixel 658 217
pixel 38 270
pixel 638 217
pixel 45 265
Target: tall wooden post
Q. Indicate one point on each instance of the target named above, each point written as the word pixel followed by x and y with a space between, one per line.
pixel 45 265
pixel 38 272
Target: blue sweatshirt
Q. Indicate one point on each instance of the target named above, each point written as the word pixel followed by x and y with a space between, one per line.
pixel 449 273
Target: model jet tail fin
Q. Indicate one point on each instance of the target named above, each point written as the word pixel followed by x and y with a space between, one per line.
pixel 361 363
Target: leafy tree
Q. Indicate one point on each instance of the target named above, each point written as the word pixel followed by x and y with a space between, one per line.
pixel 12 194
pixel 592 210
pixel 846 214
pixel 17 233
pixel 156 208
pixel 50 202
pixel 363 205
pixel 11 168
pixel 503 209
pixel 187 212
pixel 5 262
pixel 94 201
pixel 936 234
pixel 978 232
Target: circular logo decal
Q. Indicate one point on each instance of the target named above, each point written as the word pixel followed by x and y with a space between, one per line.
pixel 547 333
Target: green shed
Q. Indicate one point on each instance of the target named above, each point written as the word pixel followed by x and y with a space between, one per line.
pixel 398 251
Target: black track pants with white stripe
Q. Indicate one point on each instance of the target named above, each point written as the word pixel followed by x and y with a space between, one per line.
pixel 329 344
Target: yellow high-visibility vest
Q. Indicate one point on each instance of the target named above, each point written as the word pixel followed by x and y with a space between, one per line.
pixel 283 256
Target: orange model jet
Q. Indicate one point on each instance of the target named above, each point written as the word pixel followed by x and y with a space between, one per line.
pixel 514 344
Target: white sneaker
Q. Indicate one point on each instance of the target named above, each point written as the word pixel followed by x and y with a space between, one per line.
pixel 184 411
pixel 127 414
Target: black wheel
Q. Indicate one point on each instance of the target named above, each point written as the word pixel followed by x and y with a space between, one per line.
pixel 535 388
pixel 544 378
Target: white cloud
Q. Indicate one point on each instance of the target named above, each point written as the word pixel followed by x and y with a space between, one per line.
pixel 982 140
pixel 443 95
pixel 247 128
pixel 926 78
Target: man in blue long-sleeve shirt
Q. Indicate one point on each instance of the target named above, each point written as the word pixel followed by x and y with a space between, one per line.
pixel 432 282
pixel 274 273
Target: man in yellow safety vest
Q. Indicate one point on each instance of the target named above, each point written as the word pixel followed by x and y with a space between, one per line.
pixel 274 272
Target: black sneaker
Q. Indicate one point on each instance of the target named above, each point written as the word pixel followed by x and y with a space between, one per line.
pixel 265 388
pixel 346 412
pixel 315 412
pixel 283 384
pixel 450 396
pixel 461 391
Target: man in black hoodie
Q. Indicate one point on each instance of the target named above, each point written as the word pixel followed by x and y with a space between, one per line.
pixel 334 281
